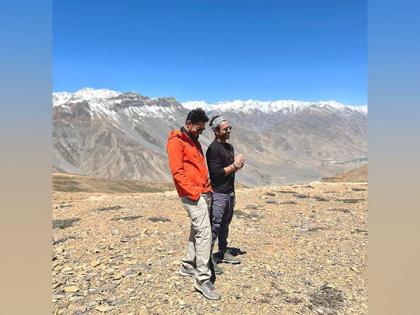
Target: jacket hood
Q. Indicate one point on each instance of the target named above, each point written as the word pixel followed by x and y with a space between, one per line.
pixel 179 134
pixel 174 133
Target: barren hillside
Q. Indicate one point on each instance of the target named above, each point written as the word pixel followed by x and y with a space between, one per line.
pixel 122 136
pixel 359 174
pixel 78 183
pixel 303 250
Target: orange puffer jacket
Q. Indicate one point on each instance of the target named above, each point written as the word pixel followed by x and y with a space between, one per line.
pixel 188 167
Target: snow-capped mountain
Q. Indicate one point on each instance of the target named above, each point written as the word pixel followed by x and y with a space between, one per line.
pixel 86 94
pixel 113 134
pixel 267 107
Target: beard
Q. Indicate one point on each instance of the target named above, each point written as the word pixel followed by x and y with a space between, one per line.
pixel 194 137
pixel 223 138
pixel 226 136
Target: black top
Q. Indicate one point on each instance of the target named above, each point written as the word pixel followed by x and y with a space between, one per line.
pixel 219 155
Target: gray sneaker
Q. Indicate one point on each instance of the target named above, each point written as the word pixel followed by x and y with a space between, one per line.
pixel 227 257
pixel 208 290
pixel 217 269
pixel 188 272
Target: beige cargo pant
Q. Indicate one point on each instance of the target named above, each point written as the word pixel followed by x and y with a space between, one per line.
pixel 199 243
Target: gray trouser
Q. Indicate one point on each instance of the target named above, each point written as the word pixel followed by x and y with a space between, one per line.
pixel 221 215
pixel 199 243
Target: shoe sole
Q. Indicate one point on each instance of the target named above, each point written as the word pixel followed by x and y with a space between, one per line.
pixel 235 262
pixel 206 296
pixel 185 274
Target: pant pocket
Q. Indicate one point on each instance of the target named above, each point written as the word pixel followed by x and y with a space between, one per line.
pixel 196 209
pixel 220 200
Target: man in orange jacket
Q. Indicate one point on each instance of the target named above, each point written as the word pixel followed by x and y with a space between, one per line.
pixel 190 174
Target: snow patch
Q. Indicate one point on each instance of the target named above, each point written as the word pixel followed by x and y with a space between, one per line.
pixel 267 107
pixel 86 94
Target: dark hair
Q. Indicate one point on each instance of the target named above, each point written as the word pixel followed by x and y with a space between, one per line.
pixel 197 115
pixel 212 119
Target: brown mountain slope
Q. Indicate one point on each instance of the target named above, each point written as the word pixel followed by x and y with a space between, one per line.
pixel 359 174
pixel 79 183
pixel 124 138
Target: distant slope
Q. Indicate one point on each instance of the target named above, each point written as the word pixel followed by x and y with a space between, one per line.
pixel 123 136
pixel 78 183
pixel 359 174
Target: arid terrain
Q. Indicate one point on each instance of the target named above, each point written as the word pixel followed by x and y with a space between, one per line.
pixel 122 136
pixel 359 174
pixel 303 250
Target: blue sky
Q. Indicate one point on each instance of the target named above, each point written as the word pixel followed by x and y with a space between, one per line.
pixel 213 50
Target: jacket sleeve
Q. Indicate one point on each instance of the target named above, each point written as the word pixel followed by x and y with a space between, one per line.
pixel 176 165
pixel 215 165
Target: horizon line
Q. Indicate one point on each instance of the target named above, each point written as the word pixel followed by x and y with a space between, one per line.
pixel 220 101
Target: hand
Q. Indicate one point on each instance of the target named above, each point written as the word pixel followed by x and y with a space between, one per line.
pixel 240 158
pixel 239 165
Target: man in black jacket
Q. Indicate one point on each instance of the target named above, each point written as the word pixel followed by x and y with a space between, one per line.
pixel 222 165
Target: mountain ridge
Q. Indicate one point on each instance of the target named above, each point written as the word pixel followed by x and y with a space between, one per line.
pixel 89 94
pixel 116 135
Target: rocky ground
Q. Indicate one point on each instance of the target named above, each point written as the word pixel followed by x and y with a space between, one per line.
pixel 303 250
